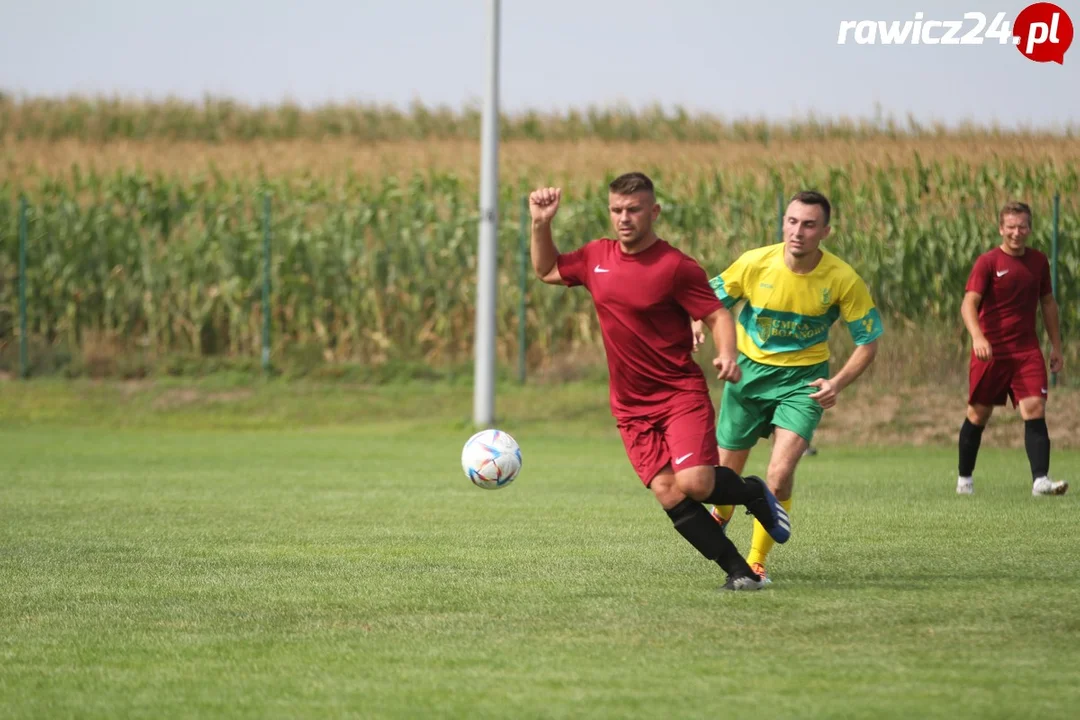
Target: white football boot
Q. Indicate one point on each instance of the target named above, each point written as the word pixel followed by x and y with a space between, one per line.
pixel 1046 486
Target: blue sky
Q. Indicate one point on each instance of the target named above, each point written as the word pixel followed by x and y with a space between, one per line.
pixel 777 60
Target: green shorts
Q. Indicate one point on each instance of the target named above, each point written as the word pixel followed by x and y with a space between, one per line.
pixel 768 395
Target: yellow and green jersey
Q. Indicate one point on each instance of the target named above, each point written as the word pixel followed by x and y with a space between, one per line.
pixel 786 318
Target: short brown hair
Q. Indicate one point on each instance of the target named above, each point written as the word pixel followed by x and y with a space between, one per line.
pixel 812 197
pixel 1014 207
pixel 630 183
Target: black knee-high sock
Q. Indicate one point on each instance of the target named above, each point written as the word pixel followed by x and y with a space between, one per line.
pixel 730 489
pixel 1037 444
pixel 695 524
pixel 970 439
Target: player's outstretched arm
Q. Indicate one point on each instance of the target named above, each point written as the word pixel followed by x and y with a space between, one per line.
pixel 722 327
pixel 543 204
pixel 727 286
pixel 969 311
pixel 858 311
pixel 860 359
pixel 1053 329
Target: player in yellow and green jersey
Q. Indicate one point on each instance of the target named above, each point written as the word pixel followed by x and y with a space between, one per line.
pixel 793 291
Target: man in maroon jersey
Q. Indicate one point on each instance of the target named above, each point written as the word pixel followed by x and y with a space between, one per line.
pixel 1004 289
pixel 646 293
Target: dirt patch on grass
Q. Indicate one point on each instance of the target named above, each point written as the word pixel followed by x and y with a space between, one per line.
pixel 926 416
pixel 129 388
pixel 180 397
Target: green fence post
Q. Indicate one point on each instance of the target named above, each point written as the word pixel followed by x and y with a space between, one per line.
pixel 266 285
pixel 780 216
pixel 1054 262
pixel 523 247
pixel 24 347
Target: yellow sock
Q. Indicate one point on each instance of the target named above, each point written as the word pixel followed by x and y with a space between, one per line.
pixel 762 543
pixel 725 511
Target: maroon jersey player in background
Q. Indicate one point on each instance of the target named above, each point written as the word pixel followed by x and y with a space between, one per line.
pixel 646 293
pixel 1004 289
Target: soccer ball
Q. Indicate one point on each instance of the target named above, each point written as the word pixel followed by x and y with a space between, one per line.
pixel 491 459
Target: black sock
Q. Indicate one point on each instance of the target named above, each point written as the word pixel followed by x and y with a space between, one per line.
pixel 1037 444
pixel 730 489
pixel 694 523
pixel 970 439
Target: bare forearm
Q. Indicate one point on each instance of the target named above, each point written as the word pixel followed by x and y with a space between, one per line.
pixel 1051 321
pixel 722 328
pixel 542 249
pixel 858 362
pixel 970 313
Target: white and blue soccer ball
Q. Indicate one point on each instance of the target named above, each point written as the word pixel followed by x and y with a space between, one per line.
pixel 491 459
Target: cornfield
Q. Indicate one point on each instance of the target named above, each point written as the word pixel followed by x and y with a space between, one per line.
pixel 216 120
pixel 372 270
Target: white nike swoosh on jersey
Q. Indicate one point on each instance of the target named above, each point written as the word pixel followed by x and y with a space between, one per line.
pixel 1001 272
pixel 600 269
pixel 681 460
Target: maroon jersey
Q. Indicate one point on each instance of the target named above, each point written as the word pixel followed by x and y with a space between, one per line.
pixel 1011 288
pixel 644 303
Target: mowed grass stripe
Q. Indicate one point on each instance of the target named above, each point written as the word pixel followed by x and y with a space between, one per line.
pixel 330 574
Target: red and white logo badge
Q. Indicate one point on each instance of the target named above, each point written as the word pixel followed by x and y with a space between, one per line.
pixel 1043 32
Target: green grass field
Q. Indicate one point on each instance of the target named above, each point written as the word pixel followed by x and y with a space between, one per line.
pixel 293 551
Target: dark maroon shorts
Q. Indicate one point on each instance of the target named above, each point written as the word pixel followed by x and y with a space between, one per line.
pixel 993 381
pixel 683 437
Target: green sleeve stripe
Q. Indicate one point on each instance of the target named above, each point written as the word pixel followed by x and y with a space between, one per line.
pixel 867 328
pixel 717 284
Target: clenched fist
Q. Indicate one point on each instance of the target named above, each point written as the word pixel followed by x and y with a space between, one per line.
pixel 544 203
pixel 727 368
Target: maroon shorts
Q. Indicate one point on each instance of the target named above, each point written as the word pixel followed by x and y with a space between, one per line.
pixel 991 382
pixel 683 436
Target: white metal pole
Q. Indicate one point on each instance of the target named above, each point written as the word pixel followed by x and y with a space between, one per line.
pixel 484 379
